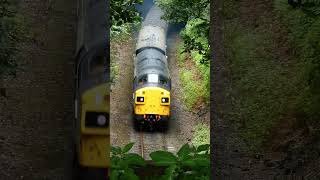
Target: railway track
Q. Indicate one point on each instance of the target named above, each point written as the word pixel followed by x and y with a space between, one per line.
pixel 148 142
pixel 141 144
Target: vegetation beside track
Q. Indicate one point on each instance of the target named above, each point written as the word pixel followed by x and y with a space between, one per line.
pixel 119 39
pixel 274 65
pixel 190 162
pixel 201 135
pixel 303 21
pixel 194 51
pixel 12 32
pixel 124 17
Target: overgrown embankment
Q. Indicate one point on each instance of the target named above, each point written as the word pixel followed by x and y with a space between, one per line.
pixel 118 40
pixel 273 50
pixel 194 50
pixel 12 31
pixel 303 23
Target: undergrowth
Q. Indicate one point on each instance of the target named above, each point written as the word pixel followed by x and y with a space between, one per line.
pixel 12 32
pixel 265 88
pixel 201 135
pixel 123 34
pixel 189 163
pixel 195 79
pixel 303 23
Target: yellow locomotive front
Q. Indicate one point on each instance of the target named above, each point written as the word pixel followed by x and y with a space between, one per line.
pixel 152 100
pixel 92 101
pixel 94 128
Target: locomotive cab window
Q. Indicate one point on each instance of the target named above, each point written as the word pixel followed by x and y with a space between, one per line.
pixel 153 78
pixel 160 80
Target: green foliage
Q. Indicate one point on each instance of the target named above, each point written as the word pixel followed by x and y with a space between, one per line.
pixel 195 38
pixel 304 26
pixel 181 11
pixel 189 163
pixel 195 14
pixel 266 89
pixel 191 88
pixel 123 15
pixel 195 46
pixel 195 79
pixel 11 34
pixel 123 163
pixel 201 135
pixel 263 89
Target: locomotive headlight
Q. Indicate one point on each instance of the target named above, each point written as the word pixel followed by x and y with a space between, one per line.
pixel 140 99
pixel 97 120
pixel 165 100
pixel 101 120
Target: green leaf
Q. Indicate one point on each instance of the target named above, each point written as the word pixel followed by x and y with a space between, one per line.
pixel 169 173
pixel 134 159
pixel 184 151
pixel 116 150
pixel 189 163
pixel 202 161
pixel 114 175
pixel 204 147
pixel 163 158
pixel 129 175
pixel 127 148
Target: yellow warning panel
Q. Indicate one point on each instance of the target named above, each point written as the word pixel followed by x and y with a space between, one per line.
pixel 95 151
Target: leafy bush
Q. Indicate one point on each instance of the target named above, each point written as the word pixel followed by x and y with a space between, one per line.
pixel 181 11
pixel 123 163
pixel 195 14
pixel 195 38
pixel 189 163
pixel 123 15
pixel 195 46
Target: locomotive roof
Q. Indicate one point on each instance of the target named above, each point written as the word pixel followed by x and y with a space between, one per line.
pixel 151 61
pixel 96 23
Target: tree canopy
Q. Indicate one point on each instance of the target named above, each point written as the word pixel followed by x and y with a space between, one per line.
pixel 196 15
pixel 124 12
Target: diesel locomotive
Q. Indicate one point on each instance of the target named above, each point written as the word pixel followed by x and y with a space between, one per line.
pixel 152 82
pixel 91 96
